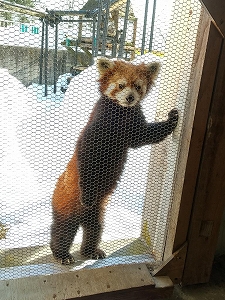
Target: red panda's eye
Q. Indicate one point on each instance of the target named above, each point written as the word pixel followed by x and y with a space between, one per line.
pixel 121 86
pixel 137 87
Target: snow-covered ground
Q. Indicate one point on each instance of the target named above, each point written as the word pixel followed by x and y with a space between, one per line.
pixel 38 136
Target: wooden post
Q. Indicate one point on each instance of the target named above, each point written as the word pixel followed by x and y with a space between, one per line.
pixel 177 235
pixel 208 188
pixel 176 76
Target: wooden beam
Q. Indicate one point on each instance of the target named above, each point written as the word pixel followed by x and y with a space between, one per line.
pixel 209 201
pixel 197 138
pixel 132 281
pixel 181 204
pixel 163 289
pixel 113 280
pixel 216 9
pixel 173 267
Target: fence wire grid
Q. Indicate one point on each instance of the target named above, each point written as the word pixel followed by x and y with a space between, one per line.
pixel 49 85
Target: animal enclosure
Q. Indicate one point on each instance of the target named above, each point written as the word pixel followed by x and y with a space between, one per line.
pixel 45 105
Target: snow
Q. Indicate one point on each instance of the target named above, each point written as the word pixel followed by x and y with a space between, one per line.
pixel 38 137
pixel 15 106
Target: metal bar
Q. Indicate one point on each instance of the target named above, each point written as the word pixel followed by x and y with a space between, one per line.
pixel 68 12
pixel 114 45
pixel 144 27
pixel 55 55
pixel 42 51
pixel 115 39
pixel 76 21
pixel 94 41
pixel 80 28
pixel 46 57
pixel 123 37
pixel 30 11
pixel 152 26
pixel 76 51
pixel 105 27
pixel 98 27
pixel 22 9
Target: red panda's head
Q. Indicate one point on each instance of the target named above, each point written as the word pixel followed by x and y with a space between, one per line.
pixel 126 83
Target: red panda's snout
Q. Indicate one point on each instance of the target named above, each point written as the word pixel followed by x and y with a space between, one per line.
pixel 130 98
pixel 125 93
pixel 127 97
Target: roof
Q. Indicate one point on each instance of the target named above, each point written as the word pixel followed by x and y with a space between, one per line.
pixel 94 4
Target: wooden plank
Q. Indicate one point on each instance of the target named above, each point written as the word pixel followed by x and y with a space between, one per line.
pixel 79 283
pixel 209 201
pixel 180 233
pixel 163 289
pixel 144 293
pixel 197 138
pixel 216 8
pixel 221 240
pixel 173 266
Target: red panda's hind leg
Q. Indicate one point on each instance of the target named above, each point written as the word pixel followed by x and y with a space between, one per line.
pixel 92 231
pixel 63 231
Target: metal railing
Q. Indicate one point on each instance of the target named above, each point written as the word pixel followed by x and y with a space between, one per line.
pixel 99 18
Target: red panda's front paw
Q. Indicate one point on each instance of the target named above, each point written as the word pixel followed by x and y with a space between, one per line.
pixel 173 117
pixel 97 254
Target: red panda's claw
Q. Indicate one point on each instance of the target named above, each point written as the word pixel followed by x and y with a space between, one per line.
pixel 99 254
pixel 67 261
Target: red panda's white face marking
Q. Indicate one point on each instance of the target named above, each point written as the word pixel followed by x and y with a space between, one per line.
pixel 125 83
pixel 126 93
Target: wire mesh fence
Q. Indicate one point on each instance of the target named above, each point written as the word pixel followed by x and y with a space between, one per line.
pixel 55 175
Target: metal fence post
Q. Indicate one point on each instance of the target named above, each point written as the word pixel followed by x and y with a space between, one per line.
pixel 42 51
pixel 152 26
pixel 56 53
pixel 46 57
pixel 123 36
pixel 105 28
pixel 144 27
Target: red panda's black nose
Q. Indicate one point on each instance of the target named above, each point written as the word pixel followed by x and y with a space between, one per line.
pixel 130 98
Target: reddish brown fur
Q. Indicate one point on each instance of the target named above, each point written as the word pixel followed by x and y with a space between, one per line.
pixel 66 197
pixel 97 164
pixel 125 70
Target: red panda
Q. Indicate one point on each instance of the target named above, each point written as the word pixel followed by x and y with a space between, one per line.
pixel 116 124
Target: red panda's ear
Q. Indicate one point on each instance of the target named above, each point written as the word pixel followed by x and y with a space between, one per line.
pixel 104 64
pixel 153 70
